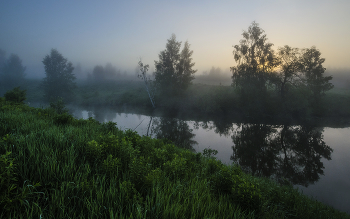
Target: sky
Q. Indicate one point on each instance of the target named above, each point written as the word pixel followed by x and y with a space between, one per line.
pixel 122 32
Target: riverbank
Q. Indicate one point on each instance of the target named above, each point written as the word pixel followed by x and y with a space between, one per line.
pixel 210 101
pixel 61 167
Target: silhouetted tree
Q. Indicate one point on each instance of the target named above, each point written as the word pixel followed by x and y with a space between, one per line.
pixel 255 58
pixel 288 74
pixel 59 80
pixel 12 72
pixel 174 71
pixel 313 70
pixel 255 61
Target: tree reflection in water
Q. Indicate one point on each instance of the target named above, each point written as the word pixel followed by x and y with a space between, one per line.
pixel 175 130
pixel 285 152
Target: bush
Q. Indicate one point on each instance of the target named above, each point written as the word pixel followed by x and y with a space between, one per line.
pixel 63 119
pixel 59 106
pixel 16 95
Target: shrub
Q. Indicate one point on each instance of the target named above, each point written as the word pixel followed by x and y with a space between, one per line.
pixel 110 126
pixel 62 119
pixel 111 166
pixel 246 193
pixel 16 95
pixel 59 106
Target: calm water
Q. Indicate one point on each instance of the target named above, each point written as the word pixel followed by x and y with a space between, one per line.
pixel 315 159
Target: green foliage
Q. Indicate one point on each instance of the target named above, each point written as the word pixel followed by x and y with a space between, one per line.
pixel 7 178
pixel 59 106
pixel 231 181
pixel 221 181
pixel 208 152
pixel 15 95
pixel 247 193
pixel 176 168
pixel 86 170
pixel 12 197
pixel 130 194
pixel 106 145
pixel 110 126
pixel 139 168
pixel 62 119
pixel 111 165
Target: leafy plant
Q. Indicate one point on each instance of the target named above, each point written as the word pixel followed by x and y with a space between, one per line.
pixel 208 152
pixel 130 194
pixel 110 126
pixel 16 95
pixel 59 106
pixel 63 119
pixel 13 197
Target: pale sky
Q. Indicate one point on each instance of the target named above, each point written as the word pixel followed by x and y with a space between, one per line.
pixel 121 32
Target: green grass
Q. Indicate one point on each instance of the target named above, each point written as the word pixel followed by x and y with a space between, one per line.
pixel 55 166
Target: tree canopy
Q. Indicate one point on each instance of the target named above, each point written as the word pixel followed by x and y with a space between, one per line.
pixel 174 71
pixel 59 80
pixel 255 58
pixel 259 69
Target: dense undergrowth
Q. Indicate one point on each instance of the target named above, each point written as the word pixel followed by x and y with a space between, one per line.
pixel 55 166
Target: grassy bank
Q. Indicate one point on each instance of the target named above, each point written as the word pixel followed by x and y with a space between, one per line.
pixel 55 166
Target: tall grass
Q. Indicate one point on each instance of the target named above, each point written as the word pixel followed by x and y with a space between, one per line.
pixel 55 166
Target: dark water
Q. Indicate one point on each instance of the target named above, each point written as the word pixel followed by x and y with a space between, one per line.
pixel 314 159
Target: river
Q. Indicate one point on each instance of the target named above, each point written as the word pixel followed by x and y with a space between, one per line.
pixel 315 160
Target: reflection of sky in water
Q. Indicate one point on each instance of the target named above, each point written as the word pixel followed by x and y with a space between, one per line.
pixel 333 187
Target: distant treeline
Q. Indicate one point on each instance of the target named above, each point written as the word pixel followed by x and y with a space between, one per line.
pixel 289 82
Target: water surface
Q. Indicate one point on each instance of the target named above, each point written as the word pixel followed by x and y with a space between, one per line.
pixel 314 159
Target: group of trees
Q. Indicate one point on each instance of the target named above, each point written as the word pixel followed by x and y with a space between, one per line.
pixel 58 83
pixel 102 74
pixel 259 69
pixel 296 75
pixel 12 72
pixel 173 71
